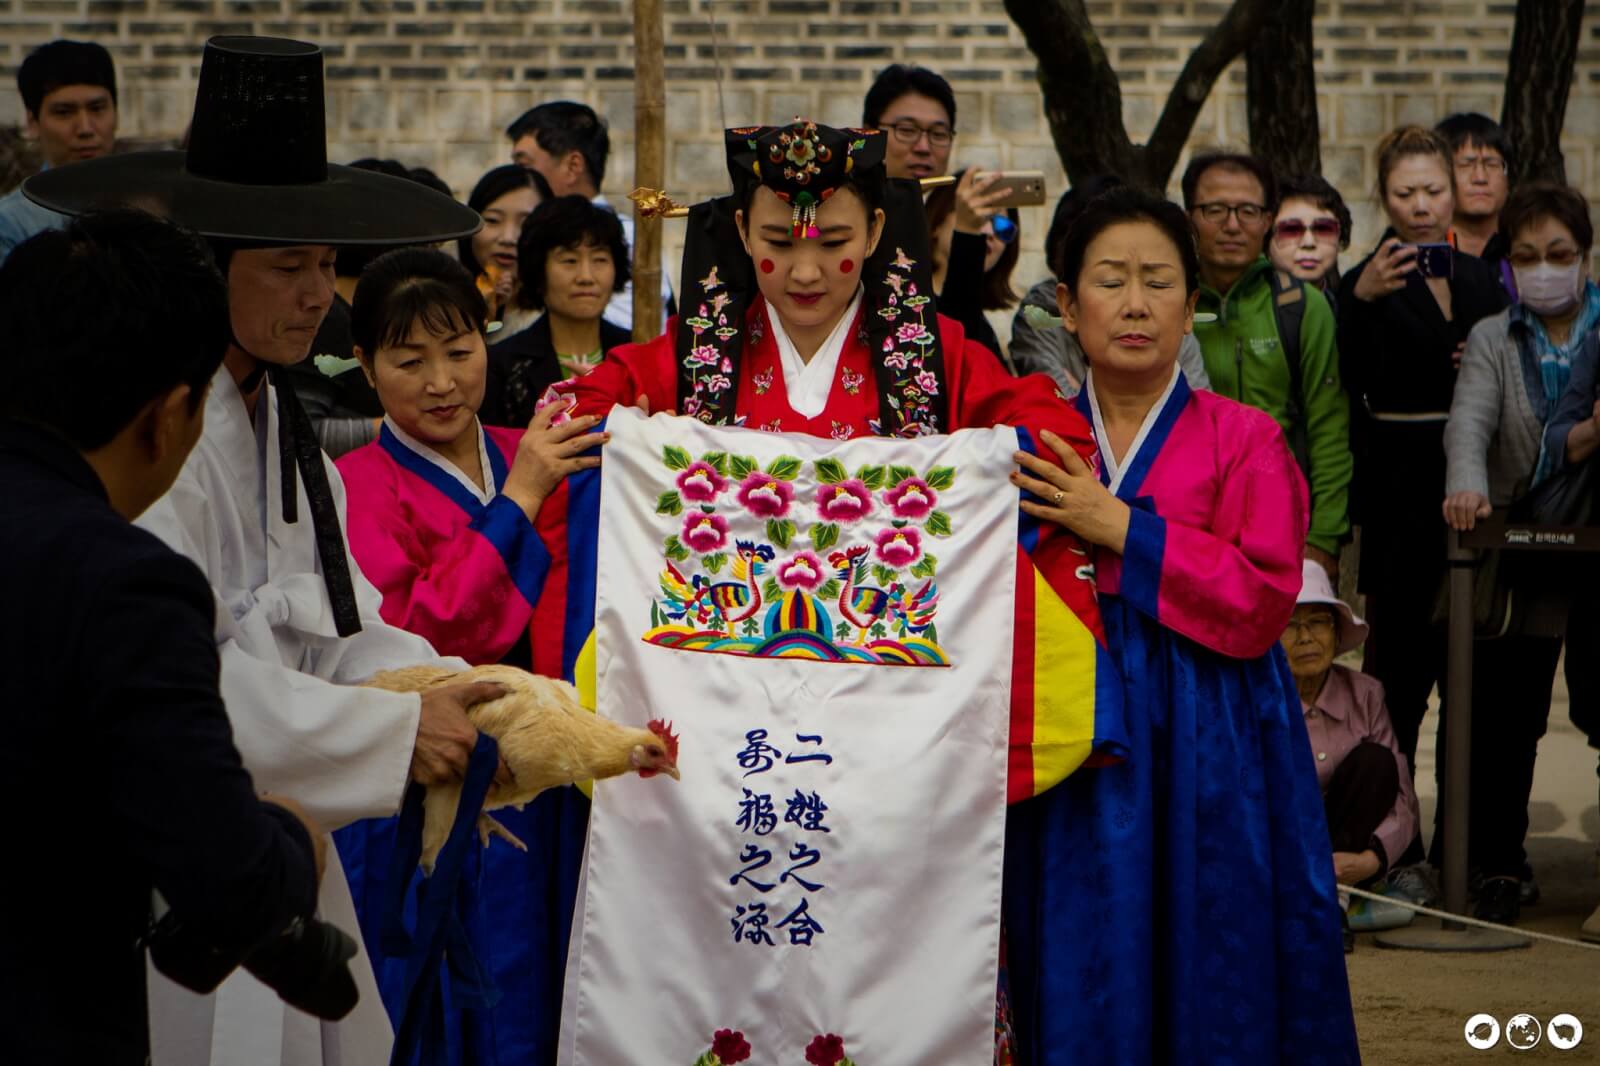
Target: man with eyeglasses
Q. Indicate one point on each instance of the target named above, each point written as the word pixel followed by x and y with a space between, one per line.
pixel 1268 338
pixel 918 109
pixel 1482 156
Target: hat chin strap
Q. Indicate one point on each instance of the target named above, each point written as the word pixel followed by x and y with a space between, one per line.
pixel 298 450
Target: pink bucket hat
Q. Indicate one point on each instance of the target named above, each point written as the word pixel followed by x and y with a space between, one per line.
pixel 1316 588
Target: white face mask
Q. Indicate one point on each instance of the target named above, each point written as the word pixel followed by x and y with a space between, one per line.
pixel 1549 290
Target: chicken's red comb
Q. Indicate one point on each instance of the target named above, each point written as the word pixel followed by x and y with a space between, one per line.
pixel 664 731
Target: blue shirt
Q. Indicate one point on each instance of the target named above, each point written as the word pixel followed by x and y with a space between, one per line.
pixel 21 218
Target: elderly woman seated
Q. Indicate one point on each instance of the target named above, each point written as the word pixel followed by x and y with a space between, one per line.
pixel 1366 785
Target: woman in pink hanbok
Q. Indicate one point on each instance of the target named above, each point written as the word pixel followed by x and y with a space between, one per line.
pixel 446 518
pixel 1178 906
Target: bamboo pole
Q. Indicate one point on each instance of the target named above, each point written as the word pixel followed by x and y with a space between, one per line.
pixel 650 202
pixel 649 161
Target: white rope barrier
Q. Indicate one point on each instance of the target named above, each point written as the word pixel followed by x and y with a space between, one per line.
pixel 1463 919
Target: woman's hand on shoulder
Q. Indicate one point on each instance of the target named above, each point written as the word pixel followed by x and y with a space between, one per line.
pixel 1072 495
pixel 1386 271
pixel 547 453
pixel 1463 509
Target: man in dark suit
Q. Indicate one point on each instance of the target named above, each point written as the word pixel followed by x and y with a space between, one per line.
pixel 119 774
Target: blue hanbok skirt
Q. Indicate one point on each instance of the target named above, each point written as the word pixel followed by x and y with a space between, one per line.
pixel 1179 907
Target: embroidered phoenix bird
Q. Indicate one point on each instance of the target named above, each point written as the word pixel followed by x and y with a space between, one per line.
pixel 914 611
pixel 741 598
pixel 860 605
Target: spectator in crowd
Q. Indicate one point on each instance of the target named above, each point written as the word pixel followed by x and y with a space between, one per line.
pixel 343 407
pixel 975 249
pixel 1367 792
pixel 1480 153
pixel 1311 228
pixel 917 108
pixel 1270 338
pixel 1040 344
pixel 69 98
pixel 1573 436
pixel 571 259
pixel 1516 369
pixel 19 158
pixel 121 625
pixel 504 197
pixel 567 143
pixel 1402 336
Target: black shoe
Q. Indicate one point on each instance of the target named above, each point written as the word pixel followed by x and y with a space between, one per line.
pixel 1499 901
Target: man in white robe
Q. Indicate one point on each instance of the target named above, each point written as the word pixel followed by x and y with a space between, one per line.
pixel 345 753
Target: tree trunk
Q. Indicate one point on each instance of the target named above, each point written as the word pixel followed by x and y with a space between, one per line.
pixel 649 162
pixel 1282 91
pixel 1083 97
pixel 1544 45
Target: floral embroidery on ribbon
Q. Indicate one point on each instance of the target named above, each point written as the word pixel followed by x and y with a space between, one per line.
pixel 709 365
pixel 904 350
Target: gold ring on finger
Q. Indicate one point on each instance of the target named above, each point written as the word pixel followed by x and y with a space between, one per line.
pixel 1058 497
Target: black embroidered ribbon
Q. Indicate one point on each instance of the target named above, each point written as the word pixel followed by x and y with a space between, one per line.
pixel 716 287
pixel 298 448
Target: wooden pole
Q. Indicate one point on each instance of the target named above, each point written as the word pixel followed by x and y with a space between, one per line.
pixel 649 162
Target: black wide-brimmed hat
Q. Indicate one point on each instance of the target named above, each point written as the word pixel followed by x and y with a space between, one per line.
pixel 256 169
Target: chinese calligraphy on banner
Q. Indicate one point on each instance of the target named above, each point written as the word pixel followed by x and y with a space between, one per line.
pixel 829 626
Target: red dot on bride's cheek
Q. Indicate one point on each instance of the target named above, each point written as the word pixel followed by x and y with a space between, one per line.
pixel 846 265
pixel 768 266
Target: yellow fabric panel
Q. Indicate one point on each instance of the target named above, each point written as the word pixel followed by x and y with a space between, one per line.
pixel 1064 663
pixel 583 679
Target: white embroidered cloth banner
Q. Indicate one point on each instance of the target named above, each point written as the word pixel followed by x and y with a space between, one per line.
pixel 829 626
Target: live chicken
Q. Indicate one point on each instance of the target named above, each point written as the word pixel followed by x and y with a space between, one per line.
pixel 546 738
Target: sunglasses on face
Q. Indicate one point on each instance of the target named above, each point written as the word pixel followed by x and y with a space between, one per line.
pixel 1293 229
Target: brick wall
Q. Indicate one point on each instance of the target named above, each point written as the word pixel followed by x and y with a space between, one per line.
pixel 433 82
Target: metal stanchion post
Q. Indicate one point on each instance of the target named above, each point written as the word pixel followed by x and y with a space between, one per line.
pixel 1426 934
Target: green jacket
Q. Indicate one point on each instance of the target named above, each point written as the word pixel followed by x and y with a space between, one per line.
pixel 1244 359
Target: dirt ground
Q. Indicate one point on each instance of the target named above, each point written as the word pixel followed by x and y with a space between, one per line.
pixel 1412 1007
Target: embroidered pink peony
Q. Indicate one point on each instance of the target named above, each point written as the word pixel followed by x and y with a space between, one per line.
pixel 803 571
pixel 910 332
pixel 825 1050
pixel 765 496
pixel 895 360
pixel 912 498
pixel 898 548
pixel 730 1046
pixel 703 355
pixel 705 532
pixel 847 501
pixel 928 383
pixel 701 483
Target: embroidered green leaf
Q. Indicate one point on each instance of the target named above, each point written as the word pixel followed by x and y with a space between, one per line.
pixel 927 566
pixel 860 576
pixel 669 503
pixel 675 458
pixel 830 588
pixel 878 631
pixel 843 631
pixel 784 468
pixel 898 474
pixel 771 590
pixel 675 549
pixel 779 531
pixel 741 465
pixel 718 461
pixel 871 476
pixel 941 477
pixel 824 535
pixel 938 524
pixel 830 471
pixel 655 615
pixel 706 508
pixel 750 627
pixel 931 634
pixel 715 562
pixel 884 575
